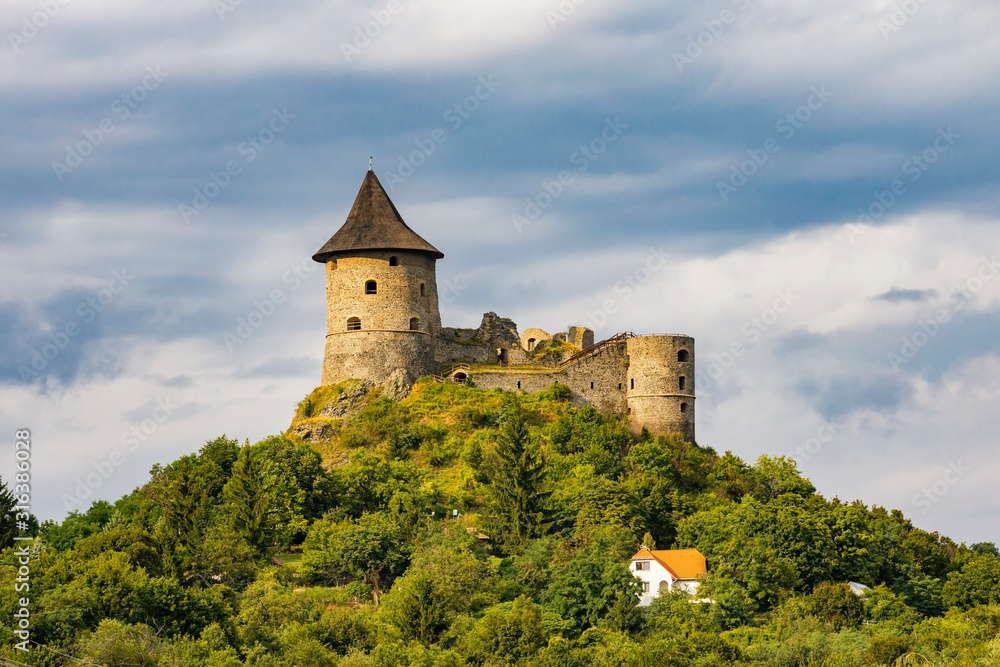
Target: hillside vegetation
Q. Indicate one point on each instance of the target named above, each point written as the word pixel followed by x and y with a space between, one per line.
pixel 460 526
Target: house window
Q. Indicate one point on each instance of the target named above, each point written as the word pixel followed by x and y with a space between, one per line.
pixel 354 324
pixel 414 324
pixel 682 355
pixel 645 587
pixel 641 565
pixel 371 287
pixel 680 382
pixel 393 261
pixel 684 407
pixel 421 289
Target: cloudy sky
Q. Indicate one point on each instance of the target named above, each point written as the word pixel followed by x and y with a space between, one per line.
pixel 807 188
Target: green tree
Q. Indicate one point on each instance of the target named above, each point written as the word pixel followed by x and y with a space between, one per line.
pixel 509 635
pixel 263 502
pixel 977 583
pixel 586 588
pixel 837 605
pixel 116 644
pixel 8 511
pixel 417 607
pixel 779 475
pixel 370 549
pixel 516 494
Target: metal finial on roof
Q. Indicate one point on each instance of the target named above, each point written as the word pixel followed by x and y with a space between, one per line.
pixel 369 163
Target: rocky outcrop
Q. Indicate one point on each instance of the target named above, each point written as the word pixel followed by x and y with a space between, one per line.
pixel 398 385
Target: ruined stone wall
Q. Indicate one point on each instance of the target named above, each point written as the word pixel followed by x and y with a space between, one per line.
pixel 582 337
pixel 597 381
pixel 479 346
pixel 447 350
pixel 655 397
pixel 405 293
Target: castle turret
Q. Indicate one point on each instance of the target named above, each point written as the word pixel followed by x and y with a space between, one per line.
pixel 660 384
pixel 381 292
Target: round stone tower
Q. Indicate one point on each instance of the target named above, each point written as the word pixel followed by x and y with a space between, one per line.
pixel 660 384
pixel 381 294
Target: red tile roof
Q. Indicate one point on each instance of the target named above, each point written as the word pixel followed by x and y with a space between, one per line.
pixel 681 563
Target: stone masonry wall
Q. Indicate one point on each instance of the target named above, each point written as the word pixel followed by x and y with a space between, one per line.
pixel 385 341
pixel 655 397
pixel 597 381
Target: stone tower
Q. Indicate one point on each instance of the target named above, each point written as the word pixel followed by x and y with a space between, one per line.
pixel 660 384
pixel 381 294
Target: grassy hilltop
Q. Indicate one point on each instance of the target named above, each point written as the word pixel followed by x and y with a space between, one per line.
pixel 459 526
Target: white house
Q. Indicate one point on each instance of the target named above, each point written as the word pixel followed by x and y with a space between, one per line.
pixel 666 570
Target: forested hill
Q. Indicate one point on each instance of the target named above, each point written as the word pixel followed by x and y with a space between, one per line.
pixel 459 526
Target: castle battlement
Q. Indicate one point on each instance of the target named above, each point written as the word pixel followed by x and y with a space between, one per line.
pixel 383 321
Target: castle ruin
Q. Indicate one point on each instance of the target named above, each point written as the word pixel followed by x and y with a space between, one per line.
pixel 383 324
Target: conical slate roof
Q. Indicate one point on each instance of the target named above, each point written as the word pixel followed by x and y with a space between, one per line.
pixel 374 224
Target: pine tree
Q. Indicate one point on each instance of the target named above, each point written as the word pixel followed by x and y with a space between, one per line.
pixel 516 495
pixel 250 502
pixel 8 510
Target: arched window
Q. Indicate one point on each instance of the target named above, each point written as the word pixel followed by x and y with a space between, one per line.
pixel 354 324
pixel 680 382
pixel 414 324
pixel 531 344
pixel 684 407
pixel 421 289
pixel 682 355
pixel 371 287
pixel 393 261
